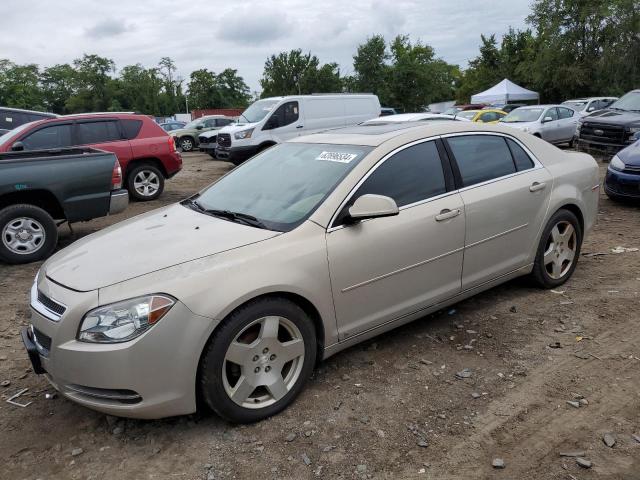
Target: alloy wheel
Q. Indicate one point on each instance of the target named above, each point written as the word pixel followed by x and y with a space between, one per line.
pixel 23 235
pixel 560 250
pixel 186 144
pixel 146 183
pixel 263 362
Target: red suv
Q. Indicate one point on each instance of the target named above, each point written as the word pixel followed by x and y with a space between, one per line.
pixel 146 152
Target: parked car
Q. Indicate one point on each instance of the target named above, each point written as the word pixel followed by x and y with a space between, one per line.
pixel 11 118
pixel 622 181
pixel 208 141
pixel 187 137
pixel 482 116
pixel 614 128
pixel 505 107
pixel 384 111
pixel 146 152
pixel 38 189
pixel 273 120
pixel 171 126
pixel 412 117
pixel 461 108
pixel 585 106
pixel 554 123
pixel 314 245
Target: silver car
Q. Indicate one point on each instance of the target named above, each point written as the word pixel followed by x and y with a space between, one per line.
pixel 314 245
pixel 554 123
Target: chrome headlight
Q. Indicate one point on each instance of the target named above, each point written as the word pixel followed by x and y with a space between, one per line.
pixel 634 129
pixel 243 134
pixel 124 321
pixel 616 163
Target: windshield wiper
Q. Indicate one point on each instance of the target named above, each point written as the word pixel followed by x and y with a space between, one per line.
pixel 236 216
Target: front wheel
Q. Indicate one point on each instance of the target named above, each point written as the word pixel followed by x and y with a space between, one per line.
pixel 28 234
pixel 258 360
pixel 145 182
pixel 186 144
pixel 558 251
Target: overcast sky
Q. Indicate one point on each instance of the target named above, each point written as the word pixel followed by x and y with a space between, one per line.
pixel 241 34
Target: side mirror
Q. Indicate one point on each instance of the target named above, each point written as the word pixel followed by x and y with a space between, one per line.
pixel 199 127
pixel 372 206
pixel 17 147
pixel 590 109
pixel 547 119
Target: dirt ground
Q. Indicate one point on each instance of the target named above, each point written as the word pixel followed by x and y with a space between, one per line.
pixel 391 407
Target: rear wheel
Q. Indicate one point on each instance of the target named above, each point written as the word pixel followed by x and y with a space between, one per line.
pixel 258 360
pixel 145 182
pixel 559 250
pixel 28 234
pixel 186 144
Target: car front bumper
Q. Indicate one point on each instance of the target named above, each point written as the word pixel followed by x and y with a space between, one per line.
pixel 236 155
pixel 622 184
pixel 119 201
pixel 152 376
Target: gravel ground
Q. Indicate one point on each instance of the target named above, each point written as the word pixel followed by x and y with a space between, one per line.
pixel 392 407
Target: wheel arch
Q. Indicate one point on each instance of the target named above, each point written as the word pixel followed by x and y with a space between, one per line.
pixel 575 209
pixel 41 198
pixel 148 161
pixel 265 145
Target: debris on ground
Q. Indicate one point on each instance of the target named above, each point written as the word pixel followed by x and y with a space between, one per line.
pixel 580 453
pixel 609 440
pixel 498 463
pixel 12 399
pixel 464 373
pixel 583 462
pixel 624 250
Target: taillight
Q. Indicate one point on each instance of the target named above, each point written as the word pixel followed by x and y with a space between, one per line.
pixel 172 143
pixel 116 177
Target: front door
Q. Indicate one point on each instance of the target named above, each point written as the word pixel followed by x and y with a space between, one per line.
pixel 286 122
pixel 506 196
pixel 551 128
pixel 384 268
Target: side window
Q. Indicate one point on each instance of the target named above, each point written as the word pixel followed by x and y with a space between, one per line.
pixel 209 123
pixel 97 132
pixel 411 175
pixel 481 157
pixel 55 136
pixel 131 128
pixel 520 157
pixel 551 113
pixel 286 114
pixel 565 112
pixel 221 122
pixel 490 117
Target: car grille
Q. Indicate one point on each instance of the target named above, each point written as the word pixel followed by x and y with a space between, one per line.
pixel 632 169
pixel 51 304
pixel 602 133
pixel 224 139
pixel 43 340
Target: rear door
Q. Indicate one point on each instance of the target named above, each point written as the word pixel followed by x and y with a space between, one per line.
pixel 384 268
pixel 506 195
pixel 568 121
pixel 105 135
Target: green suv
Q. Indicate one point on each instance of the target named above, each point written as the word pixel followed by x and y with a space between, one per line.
pixel 187 137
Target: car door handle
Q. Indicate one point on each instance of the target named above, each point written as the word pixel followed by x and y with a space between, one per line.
pixel 446 214
pixel 300 126
pixel 535 186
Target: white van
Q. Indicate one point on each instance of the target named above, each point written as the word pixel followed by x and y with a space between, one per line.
pixel 277 119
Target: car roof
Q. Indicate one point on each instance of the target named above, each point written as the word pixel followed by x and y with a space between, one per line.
pixel 22 110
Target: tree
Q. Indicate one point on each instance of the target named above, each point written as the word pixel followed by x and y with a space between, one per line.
pixel 233 91
pixel 19 86
pixel 203 89
pixel 58 84
pixel 93 84
pixel 371 68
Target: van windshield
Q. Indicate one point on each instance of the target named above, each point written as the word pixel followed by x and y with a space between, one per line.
pixel 258 110
pixel 282 186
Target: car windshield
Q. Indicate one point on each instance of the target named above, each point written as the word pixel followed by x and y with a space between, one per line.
pixel 15 131
pixel 451 111
pixel 193 124
pixel 283 185
pixel 578 106
pixel 630 101
pixel 468 114
pixel 523 115
pixel 258 110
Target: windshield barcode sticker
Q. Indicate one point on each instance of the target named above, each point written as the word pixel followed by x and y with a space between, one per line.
pixel 337 157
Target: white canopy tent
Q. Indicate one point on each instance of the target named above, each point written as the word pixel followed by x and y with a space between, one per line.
pixel 504 92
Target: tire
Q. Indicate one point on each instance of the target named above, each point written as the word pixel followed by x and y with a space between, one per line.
pixel 187 144
pixel 22 220
pixel 558 251
pixel 145 182
pixel 264 379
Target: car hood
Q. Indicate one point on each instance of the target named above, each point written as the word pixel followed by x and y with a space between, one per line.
pixel 631 154
pixel 236 127
pixel 613 117
pixel 210 133
pixel 147 243
pixel 185 131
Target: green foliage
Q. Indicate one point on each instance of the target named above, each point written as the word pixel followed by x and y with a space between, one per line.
pixel 291 73
pixel 19 86
pixel 208 90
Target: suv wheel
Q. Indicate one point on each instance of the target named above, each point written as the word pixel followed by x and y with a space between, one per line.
pixel 558 251
pixel 186 144
pixel 145 182
pixel 258 360
pixel 28 234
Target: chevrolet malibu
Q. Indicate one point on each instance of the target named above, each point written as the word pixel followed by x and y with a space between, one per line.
pixel 316 244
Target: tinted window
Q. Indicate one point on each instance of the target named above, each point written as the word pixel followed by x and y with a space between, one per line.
pixel 131 128
pixel 221 122
pixel 481 157
pixel 565 112
pixel 520 157
pixel 411 175
pixel 490 117
pixel 97 132
pixel 286 114
pixel 11 120
pixel 55 136
pixel 209 123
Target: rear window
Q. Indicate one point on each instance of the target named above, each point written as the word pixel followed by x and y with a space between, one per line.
pixel 132 128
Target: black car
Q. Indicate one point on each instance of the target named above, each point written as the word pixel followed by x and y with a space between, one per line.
pixel 11 118
pixel 612 129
